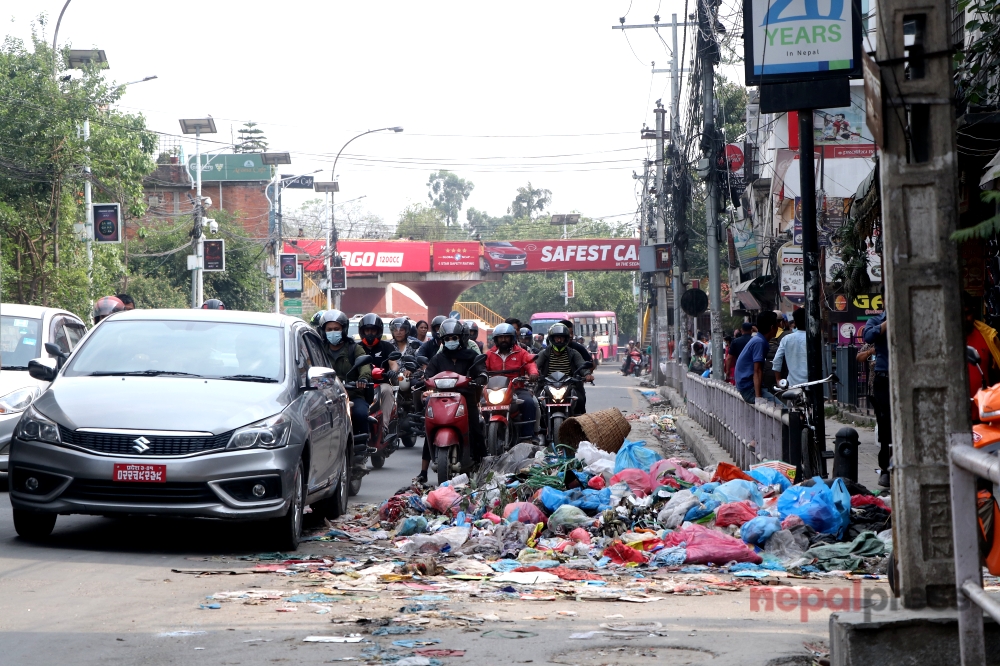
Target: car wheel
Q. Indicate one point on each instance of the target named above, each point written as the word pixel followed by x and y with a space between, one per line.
pixel 377 460
pixel 343 489
pixel 484 266
pixel 288 528
pixel 32 525
pixel 443 464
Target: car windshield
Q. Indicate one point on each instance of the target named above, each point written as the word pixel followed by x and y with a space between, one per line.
pixel 19 342
pixel 182 348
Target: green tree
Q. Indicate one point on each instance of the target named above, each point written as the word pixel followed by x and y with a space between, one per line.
pixel 426 223
pixel 447 193
pixel 251 139
pixel 529 202
pixel 41 174
pixel 732 99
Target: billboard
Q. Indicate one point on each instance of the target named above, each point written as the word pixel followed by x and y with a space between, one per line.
pixel 214 255
pixel 215 167
pixel 456 256
pixel 840 132
pixel 107 223
pixel 592 254
pixel 385 256
pixel 787 41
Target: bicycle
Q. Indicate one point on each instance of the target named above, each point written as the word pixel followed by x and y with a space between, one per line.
pixel 810 456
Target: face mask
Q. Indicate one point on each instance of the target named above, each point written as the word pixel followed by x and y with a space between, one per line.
pixel 451 345
pixel 334 337
pixel 370 339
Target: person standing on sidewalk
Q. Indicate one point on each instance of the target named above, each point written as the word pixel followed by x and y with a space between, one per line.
pixel 735 348
pixel 791 352
pixel 750 365
pixel 875 333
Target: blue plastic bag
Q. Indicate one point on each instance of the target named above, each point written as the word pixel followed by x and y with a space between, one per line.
pixel 412 525
pixel 669 557
pixel 738 490
pixel 758 530
pixel 699 511
pixel 551 499
pixel 825 509
pixel 770 477
pixel 592 501
pixel 635 455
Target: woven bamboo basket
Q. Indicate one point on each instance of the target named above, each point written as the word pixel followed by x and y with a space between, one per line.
pixel 606 429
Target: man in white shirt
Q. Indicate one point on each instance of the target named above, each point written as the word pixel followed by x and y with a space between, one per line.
pixel 792 351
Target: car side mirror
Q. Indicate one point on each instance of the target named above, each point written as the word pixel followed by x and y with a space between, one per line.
pixel 43 369
pixel 57 352
pixel 318 377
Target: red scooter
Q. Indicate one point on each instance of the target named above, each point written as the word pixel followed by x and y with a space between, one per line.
pixel 502 409
pixel 446 423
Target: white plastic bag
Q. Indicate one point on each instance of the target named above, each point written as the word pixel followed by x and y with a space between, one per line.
pixel 595 460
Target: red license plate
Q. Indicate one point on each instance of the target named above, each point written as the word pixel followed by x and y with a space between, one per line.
pixel 140 473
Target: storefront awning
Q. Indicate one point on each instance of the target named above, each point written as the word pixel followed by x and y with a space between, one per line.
pixel 992 173
pixel 752 292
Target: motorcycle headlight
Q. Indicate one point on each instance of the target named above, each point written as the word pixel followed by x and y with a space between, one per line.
pixel 446 383
pixel 33 426
pixel 18 401
pixel 496 396
pixel 271 433
pixel 557 393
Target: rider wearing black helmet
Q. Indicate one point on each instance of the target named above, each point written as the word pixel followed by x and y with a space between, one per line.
pixel 526 340
pixel 401 328
pixel 474 334
pixel 213 304
pixel 371 328
pixel 343 351
pixel 432 346
pixel 581 404
pixel 106 306
pixel 316 319
pixel 457 357
pixel 558 356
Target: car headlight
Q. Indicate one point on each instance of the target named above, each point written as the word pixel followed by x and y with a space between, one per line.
pixel 33 426
pixel 271 433
pixel 496 255
pixel 445 383
pixel 496 396
pixel 557 393
pixel 18 401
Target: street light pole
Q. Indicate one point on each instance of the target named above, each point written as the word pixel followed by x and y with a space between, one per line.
pixel 55 38
pixel 331 242
pixel 196 261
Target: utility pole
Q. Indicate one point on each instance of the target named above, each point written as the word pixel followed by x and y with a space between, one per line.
pixel 197 235
pixel 710 52
pixel 88 200
pixel 661 237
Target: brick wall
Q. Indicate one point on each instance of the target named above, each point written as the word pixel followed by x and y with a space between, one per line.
pixel 244 199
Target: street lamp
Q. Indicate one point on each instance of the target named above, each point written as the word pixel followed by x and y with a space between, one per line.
pixel 196 126
pixel 331 242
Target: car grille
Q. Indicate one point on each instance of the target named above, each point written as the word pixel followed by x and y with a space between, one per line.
pixel 159 445
pixel 87 490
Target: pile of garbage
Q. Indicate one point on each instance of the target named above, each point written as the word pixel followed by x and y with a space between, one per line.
pixel 578 515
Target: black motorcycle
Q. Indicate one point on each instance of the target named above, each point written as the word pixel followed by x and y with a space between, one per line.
pixel 409 406
pixel 557 399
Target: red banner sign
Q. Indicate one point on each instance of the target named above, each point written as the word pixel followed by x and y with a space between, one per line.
pixel 590 254
pixel 385 256
pixel 456 256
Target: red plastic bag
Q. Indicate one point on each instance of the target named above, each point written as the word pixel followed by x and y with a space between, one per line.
pixel 638 481
pixel 620 554
pixel 596 482
pixel 864 500
pixel 735 513
pixel 580 535
pixel 705 545
pixel 727 472
pixel 526 513
pixel 492 517
pixel 444 500
pixel 791 521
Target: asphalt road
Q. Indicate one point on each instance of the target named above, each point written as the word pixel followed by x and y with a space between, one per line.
pixel 102 591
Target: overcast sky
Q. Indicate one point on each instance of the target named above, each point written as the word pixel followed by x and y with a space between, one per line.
pixel 500 93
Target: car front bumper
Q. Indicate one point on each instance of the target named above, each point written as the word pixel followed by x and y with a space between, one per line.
pixel 78 482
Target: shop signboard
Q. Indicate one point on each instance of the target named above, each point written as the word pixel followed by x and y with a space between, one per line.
pixel 860 308
pixel 226 167
pixel 581 254
pixel 792 283
pixel 838 133
pixel 360 256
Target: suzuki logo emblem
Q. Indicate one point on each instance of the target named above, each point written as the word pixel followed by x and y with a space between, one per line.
pixel 141 445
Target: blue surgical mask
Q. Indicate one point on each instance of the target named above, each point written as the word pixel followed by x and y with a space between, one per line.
pixel 334 337
pixel 451 344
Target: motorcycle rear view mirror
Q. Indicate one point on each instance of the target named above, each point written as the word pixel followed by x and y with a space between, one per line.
pixel 971 355
pixel 587 366
pixel 395 356
pixel 783 384
pixel 360 362
pixel 422 360
pixel 479 360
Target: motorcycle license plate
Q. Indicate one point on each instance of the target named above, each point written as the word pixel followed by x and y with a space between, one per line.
pixel 139 473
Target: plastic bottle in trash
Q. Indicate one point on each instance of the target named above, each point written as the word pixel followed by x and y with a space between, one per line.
pixel 618 491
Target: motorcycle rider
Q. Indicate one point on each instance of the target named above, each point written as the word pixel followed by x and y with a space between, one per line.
pixel 401 328
pixel 526 339
pixel 106 306
pixel 457 357
pixel 559 356
pixel 581 403
pixel 512 360
pixel 371 329
pixel 343 351
pixel 213 304
pixel 474 334
pixel 433 345
pixel 316 319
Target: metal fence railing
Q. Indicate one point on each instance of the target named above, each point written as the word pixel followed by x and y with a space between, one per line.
pixel 750 433
pixel 968 463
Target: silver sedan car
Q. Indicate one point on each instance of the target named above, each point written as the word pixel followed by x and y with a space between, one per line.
pixel 24 332
pixel 210 413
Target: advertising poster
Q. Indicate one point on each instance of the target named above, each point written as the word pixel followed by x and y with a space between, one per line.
pixel 107 223
pixel 456 256
pixel 745 243
pixel 792 284
pixel 385 256
pixel 849 333
pixel 215 255
pixel 841 132
pixel 594 254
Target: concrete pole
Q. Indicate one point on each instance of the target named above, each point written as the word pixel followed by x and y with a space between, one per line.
pixel 277 245
pixel 682 351
pixel 329 257
pixel 712 219
pixel 198 215
pixel 661 237
pixel 927 373
pixel 88 200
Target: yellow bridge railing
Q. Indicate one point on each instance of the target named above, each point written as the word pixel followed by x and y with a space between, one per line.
pixel 474 310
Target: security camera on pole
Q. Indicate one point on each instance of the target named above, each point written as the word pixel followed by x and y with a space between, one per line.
pixel 197 126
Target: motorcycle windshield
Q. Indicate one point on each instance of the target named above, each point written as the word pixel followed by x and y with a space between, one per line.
pixel 498 382
pixel 557 378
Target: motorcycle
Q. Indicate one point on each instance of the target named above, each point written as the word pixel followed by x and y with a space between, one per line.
pixel 359 441
pixel 385 437
pixel 558 399
pixel 408 404
pixel 446 422
pixel 500 407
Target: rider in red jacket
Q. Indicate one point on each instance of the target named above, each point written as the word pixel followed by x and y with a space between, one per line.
pixel 508 358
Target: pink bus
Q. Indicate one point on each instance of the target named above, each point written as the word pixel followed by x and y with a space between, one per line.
pixel 601 327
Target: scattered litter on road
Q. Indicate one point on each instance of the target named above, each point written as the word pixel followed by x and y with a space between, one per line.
pixel 351 638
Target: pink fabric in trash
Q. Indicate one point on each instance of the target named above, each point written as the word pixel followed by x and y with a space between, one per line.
pixel 492 517
pixel 638 481
pixel 526 513
pixel 580 535
pixel 706 545
pixel 660 467
pixel 444 500
pixel 791 521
